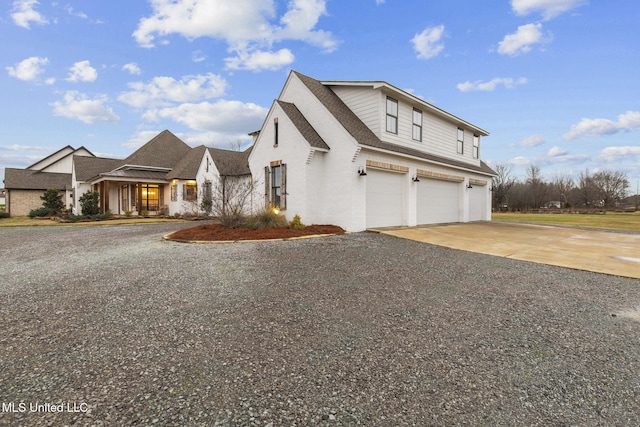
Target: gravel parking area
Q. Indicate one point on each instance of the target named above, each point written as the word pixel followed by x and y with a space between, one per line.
pixel 124 328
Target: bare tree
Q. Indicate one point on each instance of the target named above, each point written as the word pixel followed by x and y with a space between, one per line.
pixel 587 189
pixel 537 187
pixel 561 187
pixel 612 186
pixel 502 184
pixel 231 198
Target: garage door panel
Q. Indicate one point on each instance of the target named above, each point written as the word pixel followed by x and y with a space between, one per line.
pixel 438 201
pixel 384 198
pixel 477 203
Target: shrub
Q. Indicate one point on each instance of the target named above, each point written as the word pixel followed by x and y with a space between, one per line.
pixel 52 199
pixel 206 205
pixel 266 218
pixel 4 215
pixel 40 212
pixel 296 224
pixel 232 219
pixel 89 203
pixel 127 213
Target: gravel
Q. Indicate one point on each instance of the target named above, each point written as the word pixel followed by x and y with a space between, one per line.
pixel 124 328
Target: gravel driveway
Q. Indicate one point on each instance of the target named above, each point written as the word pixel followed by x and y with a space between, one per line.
pixel 361 329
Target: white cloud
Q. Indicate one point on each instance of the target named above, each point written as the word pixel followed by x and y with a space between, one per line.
pixel 162 91
pixel 557 151
pixel 521 41
pixel 597 127
pixel 132 68
pixel 520 161
pixel 260 60
pixel 82 71
pixel 28 69
pixel 16 147
pixel 78 106
pixel 427 43
pixel 548 8
pixel 229 117
pixel 531 141
pixel 198 56
pixel 24 13
pixel 490 86
pixel 247 26
pixel 615 154
pixel 141 138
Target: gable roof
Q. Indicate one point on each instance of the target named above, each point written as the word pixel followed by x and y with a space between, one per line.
pixel 27 179
pixel 231 163
pixel 165 150
pixel 187 167
pixel 303 126
pixel 365 136
pixel 47 161
pixel 90 167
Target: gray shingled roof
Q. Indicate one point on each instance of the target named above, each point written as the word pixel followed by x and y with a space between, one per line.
pixel 231 163
pixel 187 167
pixel 26 179
pixel 163 151
pixel 365 136
pixel 303 126
pixel 91 167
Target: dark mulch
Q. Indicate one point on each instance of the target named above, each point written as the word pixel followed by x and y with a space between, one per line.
pixel 212 232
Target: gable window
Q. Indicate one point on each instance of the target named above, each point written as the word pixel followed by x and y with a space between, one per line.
pixel 207 190
pixel 392 115
pixel 190 191
pixel 174 192
pixel 275 132
pixel 476 146
pixel 460 141
pixel 417 125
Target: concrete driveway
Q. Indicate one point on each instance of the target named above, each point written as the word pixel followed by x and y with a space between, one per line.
pixel 598 251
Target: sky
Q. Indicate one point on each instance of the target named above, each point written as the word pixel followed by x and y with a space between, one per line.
pixel 555 82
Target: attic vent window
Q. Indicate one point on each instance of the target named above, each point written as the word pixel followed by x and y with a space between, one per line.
pixel 275 132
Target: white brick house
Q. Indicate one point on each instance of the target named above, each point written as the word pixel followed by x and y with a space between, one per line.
pixel 367 154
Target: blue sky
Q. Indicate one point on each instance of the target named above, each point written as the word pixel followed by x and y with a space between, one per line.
pixel 555 82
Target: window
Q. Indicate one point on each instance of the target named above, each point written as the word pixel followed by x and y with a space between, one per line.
pixel 392 115
pixel 460 141
pixel 417 125
pixel 275 132
pixel 149 197
pixel 125 197
pixel 190 191
pixel 276 185
pixel 207 190
pixel 476 146
pixel 174 192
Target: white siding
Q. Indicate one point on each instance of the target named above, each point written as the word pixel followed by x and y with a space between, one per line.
pixel 365 103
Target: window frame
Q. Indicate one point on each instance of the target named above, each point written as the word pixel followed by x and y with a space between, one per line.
pixel 416 126
pixel 391 118
pixel 276 185
pixel 476 146
pixel 460 144
pixel 190 192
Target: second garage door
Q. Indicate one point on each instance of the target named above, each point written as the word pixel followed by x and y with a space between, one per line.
pixel 384 198
pixel 438 201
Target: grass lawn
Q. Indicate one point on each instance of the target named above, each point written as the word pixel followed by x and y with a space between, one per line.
pixel 22 221
pixel 608 221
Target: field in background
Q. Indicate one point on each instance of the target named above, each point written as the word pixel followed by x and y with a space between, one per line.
pixel 606 221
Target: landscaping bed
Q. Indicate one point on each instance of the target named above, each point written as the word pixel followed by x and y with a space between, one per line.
pixel 213 232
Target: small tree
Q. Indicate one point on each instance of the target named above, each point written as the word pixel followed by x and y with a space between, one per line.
pixel 89 203
pixel 52 199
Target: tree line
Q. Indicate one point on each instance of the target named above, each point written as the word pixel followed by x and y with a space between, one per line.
pixel 605 189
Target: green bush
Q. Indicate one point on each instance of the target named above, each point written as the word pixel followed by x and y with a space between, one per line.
pixel 296 224
pixel 206 205
pixel 40 212
pixel 4 215
pixel 52 199
pixel 90 203
pixel 266 218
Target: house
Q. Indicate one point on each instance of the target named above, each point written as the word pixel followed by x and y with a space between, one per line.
pixel 357 154
pixel 165 176
pixel 364 154
pixel 25 186
pixel 2 197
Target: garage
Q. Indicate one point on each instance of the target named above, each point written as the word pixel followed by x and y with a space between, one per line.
pixel 384 198
pixel 477 203
pixel 438 201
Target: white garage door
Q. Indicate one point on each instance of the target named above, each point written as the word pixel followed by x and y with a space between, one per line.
pixel 477 203
pixel 438 201
pixel 384 198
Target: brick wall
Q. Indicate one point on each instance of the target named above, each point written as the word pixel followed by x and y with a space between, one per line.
pixel 20 202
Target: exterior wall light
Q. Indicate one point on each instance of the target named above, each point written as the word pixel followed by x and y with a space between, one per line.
pixel 276 211
pixel 362 172
pixel 469 185
pixel 415 178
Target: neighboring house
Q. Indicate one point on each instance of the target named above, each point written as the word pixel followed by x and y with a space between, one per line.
pixel 366 154
pixel 2 197
pixel 25 186
pixel 163 176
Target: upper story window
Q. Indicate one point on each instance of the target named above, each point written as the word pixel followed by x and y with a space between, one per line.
pixel 476 146
pixel 460 141
pixel 417 125
pixel 275 132
pixel 392 115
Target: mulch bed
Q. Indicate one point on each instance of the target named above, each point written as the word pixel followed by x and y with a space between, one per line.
pixel 212 232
